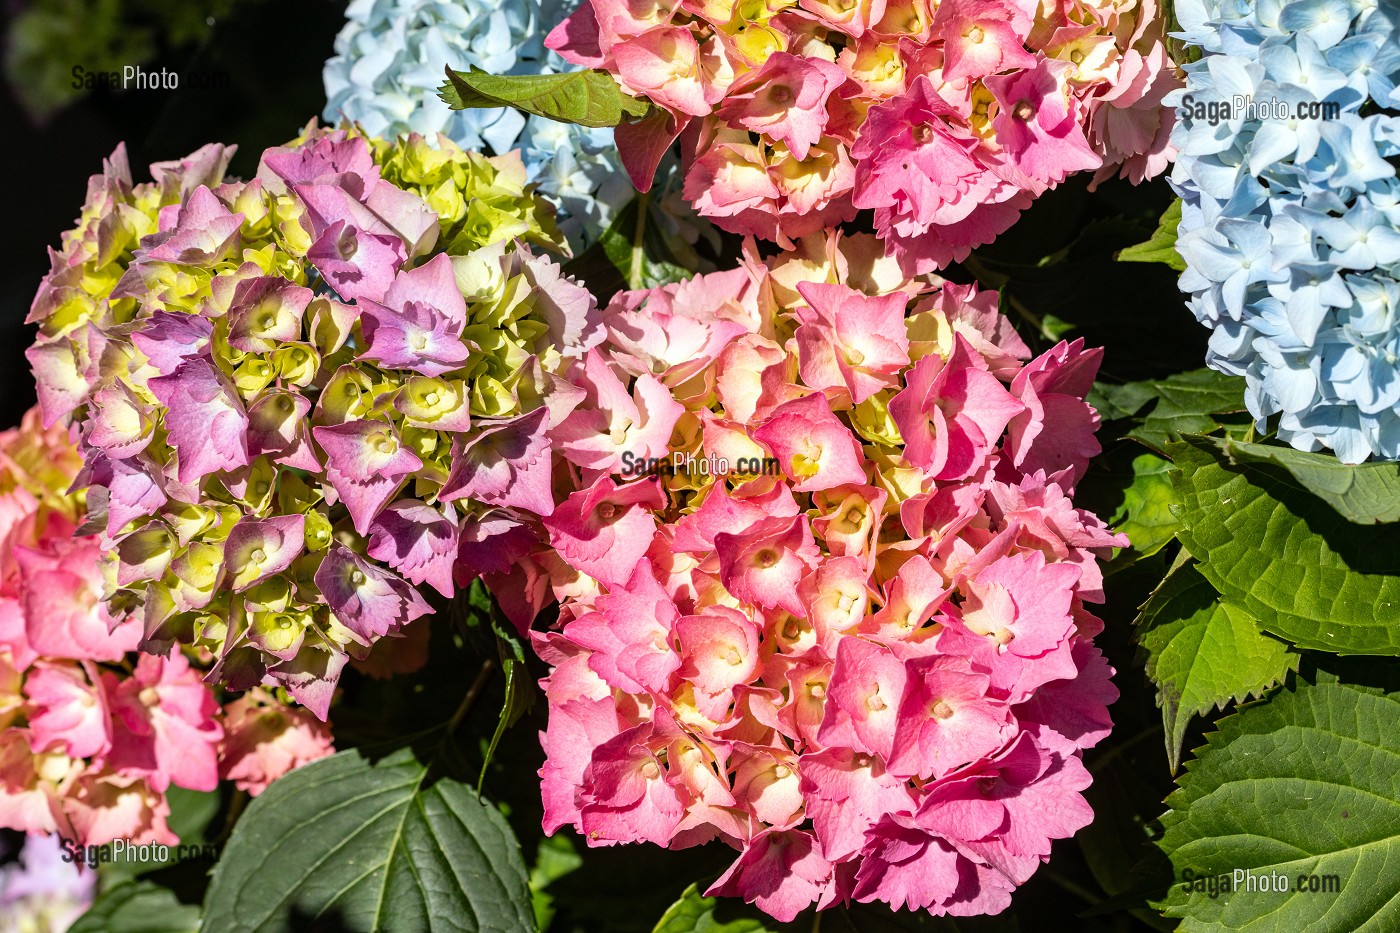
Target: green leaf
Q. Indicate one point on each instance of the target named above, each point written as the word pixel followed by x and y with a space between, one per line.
pixel 362 844
pixel 1145 515
pixel 634 245
pixel 1286 558
pixel 1203 653
pixel 1185 403
pixel 694 913
pixel 1306 784
pixel 520 697
pixel 1366 493
pixel 1162 246
pixel 137 907
pixel 556 857
pixel 589 98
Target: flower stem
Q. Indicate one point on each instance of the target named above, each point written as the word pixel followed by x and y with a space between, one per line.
pixel 488 667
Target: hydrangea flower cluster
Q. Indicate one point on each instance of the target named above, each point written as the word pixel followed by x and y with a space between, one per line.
pixel 946 119
pixel 301 396
pixel 87 749
pixel 822 585
pixel 1289 212
pixel 388 67
pixel 90 741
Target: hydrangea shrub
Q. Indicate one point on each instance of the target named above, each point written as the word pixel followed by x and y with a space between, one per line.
pixel 1289 213
pixel 947 120
pixel 300 397
pixel 823 585
pixel 92 737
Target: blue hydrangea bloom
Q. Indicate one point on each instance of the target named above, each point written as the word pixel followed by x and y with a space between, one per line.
pixel 388 66
pixel 1290 223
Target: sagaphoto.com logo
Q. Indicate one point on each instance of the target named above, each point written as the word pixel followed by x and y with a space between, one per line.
pixel 142 78
pixel 1252 881
pixel 1261 109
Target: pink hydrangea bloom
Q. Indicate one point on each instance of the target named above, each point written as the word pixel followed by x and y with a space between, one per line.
pixel 837 623
pixel 87 747
pixel 263 740
pixel 946 119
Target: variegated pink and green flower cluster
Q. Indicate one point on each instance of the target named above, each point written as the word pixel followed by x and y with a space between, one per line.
pixel 824 586
pixel 92 737
pixel 947 119
pixel 302 396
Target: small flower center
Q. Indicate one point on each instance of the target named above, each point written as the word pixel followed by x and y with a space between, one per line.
pixel 941 710
pixel 1023 110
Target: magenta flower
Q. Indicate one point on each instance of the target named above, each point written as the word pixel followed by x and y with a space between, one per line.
pixel 356 263
pixel 367 600
pixel 951 413
pixel 71 710
pixel 763 564
pixel 419 325
pixel 418 541
pixel 785 99
pixel 265 313
pixel 610 421
pixel 1036 125
pixel 1012 805
pixel 1022 604
pixel 1055 433
pixel 632 637
pixel 505 464
pixel 166 727
pixel 984 37
pixel 632 797
pixel 205 421
pixel 906 866
pixel 277 425
pixel 257 549
pixel 781 872
pixel 203 233
pixel 850 341
pixel 946 719
pixel 263 741
pixel 605 529
pixel 815 449
pixel 866 689
pixel 58 595
pixel 366 463
pixel 169 339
